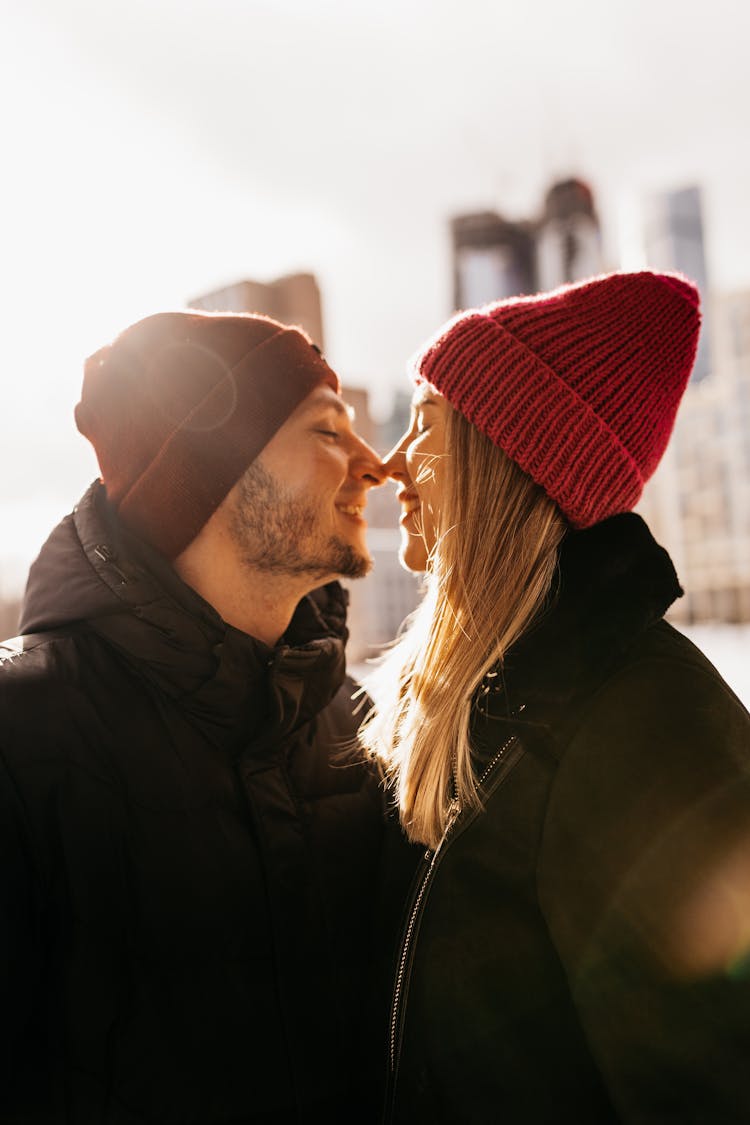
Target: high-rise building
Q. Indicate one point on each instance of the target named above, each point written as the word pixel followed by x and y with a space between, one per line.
pixel 674 240
pixel 294 299
pixel 492 258
pixel 698 503
pixel 568 238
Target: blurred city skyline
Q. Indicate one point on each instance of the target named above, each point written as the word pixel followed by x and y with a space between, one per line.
pixel 156 150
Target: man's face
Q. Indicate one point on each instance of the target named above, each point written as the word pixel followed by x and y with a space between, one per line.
pixel 298 509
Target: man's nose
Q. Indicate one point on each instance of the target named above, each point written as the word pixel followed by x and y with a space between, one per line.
pixel 368 465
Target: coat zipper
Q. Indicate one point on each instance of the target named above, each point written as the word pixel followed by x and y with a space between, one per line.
pixel 432 859
pixel 429 858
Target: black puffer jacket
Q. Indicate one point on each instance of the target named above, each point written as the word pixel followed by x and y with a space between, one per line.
pixel 186 874
pixel 579 951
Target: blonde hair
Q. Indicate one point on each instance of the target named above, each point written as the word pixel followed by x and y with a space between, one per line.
pixel 488 577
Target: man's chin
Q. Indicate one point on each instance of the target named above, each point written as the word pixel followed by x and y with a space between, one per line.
pixel 353 564
pixel 341 561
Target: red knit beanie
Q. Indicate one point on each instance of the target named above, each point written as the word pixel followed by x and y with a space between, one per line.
pixel 180 404
pixel 579 386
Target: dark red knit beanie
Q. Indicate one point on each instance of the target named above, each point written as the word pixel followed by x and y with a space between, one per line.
pixel 180 404
pixel 579 386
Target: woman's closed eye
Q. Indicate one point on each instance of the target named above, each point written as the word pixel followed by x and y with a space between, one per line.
pixel 421 422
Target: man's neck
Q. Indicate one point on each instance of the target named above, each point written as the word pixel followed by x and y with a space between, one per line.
pixel 252 600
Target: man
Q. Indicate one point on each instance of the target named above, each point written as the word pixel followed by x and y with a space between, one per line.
pixel 188 840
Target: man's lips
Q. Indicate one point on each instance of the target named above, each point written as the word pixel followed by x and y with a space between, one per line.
pixel 353 510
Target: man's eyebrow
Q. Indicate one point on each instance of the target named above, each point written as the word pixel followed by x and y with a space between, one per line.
pixel 336 404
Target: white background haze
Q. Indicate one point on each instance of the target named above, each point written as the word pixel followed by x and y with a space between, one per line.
pixel 155 149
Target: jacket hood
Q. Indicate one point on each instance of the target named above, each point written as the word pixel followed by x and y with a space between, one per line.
pixel 93 572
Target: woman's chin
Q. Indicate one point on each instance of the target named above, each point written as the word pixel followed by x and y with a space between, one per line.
pixel 412 552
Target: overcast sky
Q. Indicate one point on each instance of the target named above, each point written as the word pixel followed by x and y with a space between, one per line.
pixel 155 149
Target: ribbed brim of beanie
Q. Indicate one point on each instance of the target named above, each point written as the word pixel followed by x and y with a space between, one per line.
pixel 579 386
pixel 178 407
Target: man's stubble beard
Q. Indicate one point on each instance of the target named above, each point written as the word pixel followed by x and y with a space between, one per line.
pixel 276 533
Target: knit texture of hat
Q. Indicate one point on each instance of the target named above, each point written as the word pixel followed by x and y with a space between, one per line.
pixel 180 404
pixel 580 386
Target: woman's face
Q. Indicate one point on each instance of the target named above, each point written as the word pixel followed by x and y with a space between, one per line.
pixel 416 463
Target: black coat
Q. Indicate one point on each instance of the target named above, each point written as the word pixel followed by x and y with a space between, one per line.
pixel 187 862
pixel 579 950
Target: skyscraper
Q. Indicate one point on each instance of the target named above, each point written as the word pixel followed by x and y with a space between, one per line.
pixel 674 240
pixel 294 299
pixel 698 503
pixel 492 258
pixel 568 240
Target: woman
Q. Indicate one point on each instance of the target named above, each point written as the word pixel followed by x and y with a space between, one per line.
pixel 576 944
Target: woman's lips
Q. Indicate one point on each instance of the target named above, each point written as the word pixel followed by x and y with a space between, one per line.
pixel 410 504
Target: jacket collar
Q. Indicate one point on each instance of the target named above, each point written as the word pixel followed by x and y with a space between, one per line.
pixel 614 581
pixel 92 570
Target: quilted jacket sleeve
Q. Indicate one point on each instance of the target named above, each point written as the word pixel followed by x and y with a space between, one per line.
pixel 644 879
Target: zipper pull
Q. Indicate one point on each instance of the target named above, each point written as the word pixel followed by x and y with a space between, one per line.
pixel 103 552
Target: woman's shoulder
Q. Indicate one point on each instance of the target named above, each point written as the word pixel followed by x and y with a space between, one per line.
pixel 652 785
pixel 663 690
pixel 678 655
